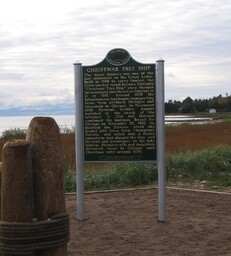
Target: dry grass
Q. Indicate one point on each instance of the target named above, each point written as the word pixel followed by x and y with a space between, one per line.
pixel 187 137
pixel 180 138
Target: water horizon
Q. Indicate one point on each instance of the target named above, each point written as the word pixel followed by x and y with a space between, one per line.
pixel 68 121
pixel 22 122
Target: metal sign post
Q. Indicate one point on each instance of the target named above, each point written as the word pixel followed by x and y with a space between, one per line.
pixel 79 140
pixel 120 116
pixel 160 117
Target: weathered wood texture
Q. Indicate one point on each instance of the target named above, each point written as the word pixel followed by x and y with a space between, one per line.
pixel 47 160
pixel 17 183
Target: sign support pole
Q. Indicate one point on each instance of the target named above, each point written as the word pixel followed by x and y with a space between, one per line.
pixel 160 120
pixel 79 140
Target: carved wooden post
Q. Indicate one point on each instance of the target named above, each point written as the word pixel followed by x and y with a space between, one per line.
pixel 17 183
pixel 47 160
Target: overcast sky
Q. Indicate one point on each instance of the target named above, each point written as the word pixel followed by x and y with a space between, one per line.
pixel 40 41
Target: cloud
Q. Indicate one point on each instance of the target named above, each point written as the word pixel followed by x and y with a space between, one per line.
pixel 41 41
pixel 11 76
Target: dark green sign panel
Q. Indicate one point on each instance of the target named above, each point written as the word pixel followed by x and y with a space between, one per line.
pixel 119 109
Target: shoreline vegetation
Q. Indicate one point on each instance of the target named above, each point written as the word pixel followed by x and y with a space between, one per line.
pixel 219 103
pixel 197 156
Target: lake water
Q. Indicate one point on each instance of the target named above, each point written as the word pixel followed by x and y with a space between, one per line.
pixel 174 119
pixel 68 121
pixel 22 122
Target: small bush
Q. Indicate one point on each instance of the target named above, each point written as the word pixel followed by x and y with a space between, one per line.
pixel 66 130
pixel 15 133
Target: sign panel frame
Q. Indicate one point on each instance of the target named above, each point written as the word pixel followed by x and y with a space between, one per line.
pixel 119 57
pixel 119 109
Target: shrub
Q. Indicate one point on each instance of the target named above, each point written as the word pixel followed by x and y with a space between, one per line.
pixel 15 133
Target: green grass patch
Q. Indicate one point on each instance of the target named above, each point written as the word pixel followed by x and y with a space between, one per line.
pixel 116 176
pixel 211 166
pixel 121 176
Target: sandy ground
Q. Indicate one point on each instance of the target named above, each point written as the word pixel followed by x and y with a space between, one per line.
pixel 125 223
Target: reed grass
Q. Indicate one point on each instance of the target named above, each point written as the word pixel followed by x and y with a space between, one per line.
pixel 188 137
pixel 195 153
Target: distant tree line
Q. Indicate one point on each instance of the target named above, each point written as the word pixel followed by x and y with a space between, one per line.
pixel 188 105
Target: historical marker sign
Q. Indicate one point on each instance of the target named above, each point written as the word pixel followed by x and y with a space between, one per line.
pixel 119 109
pixel 117 118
